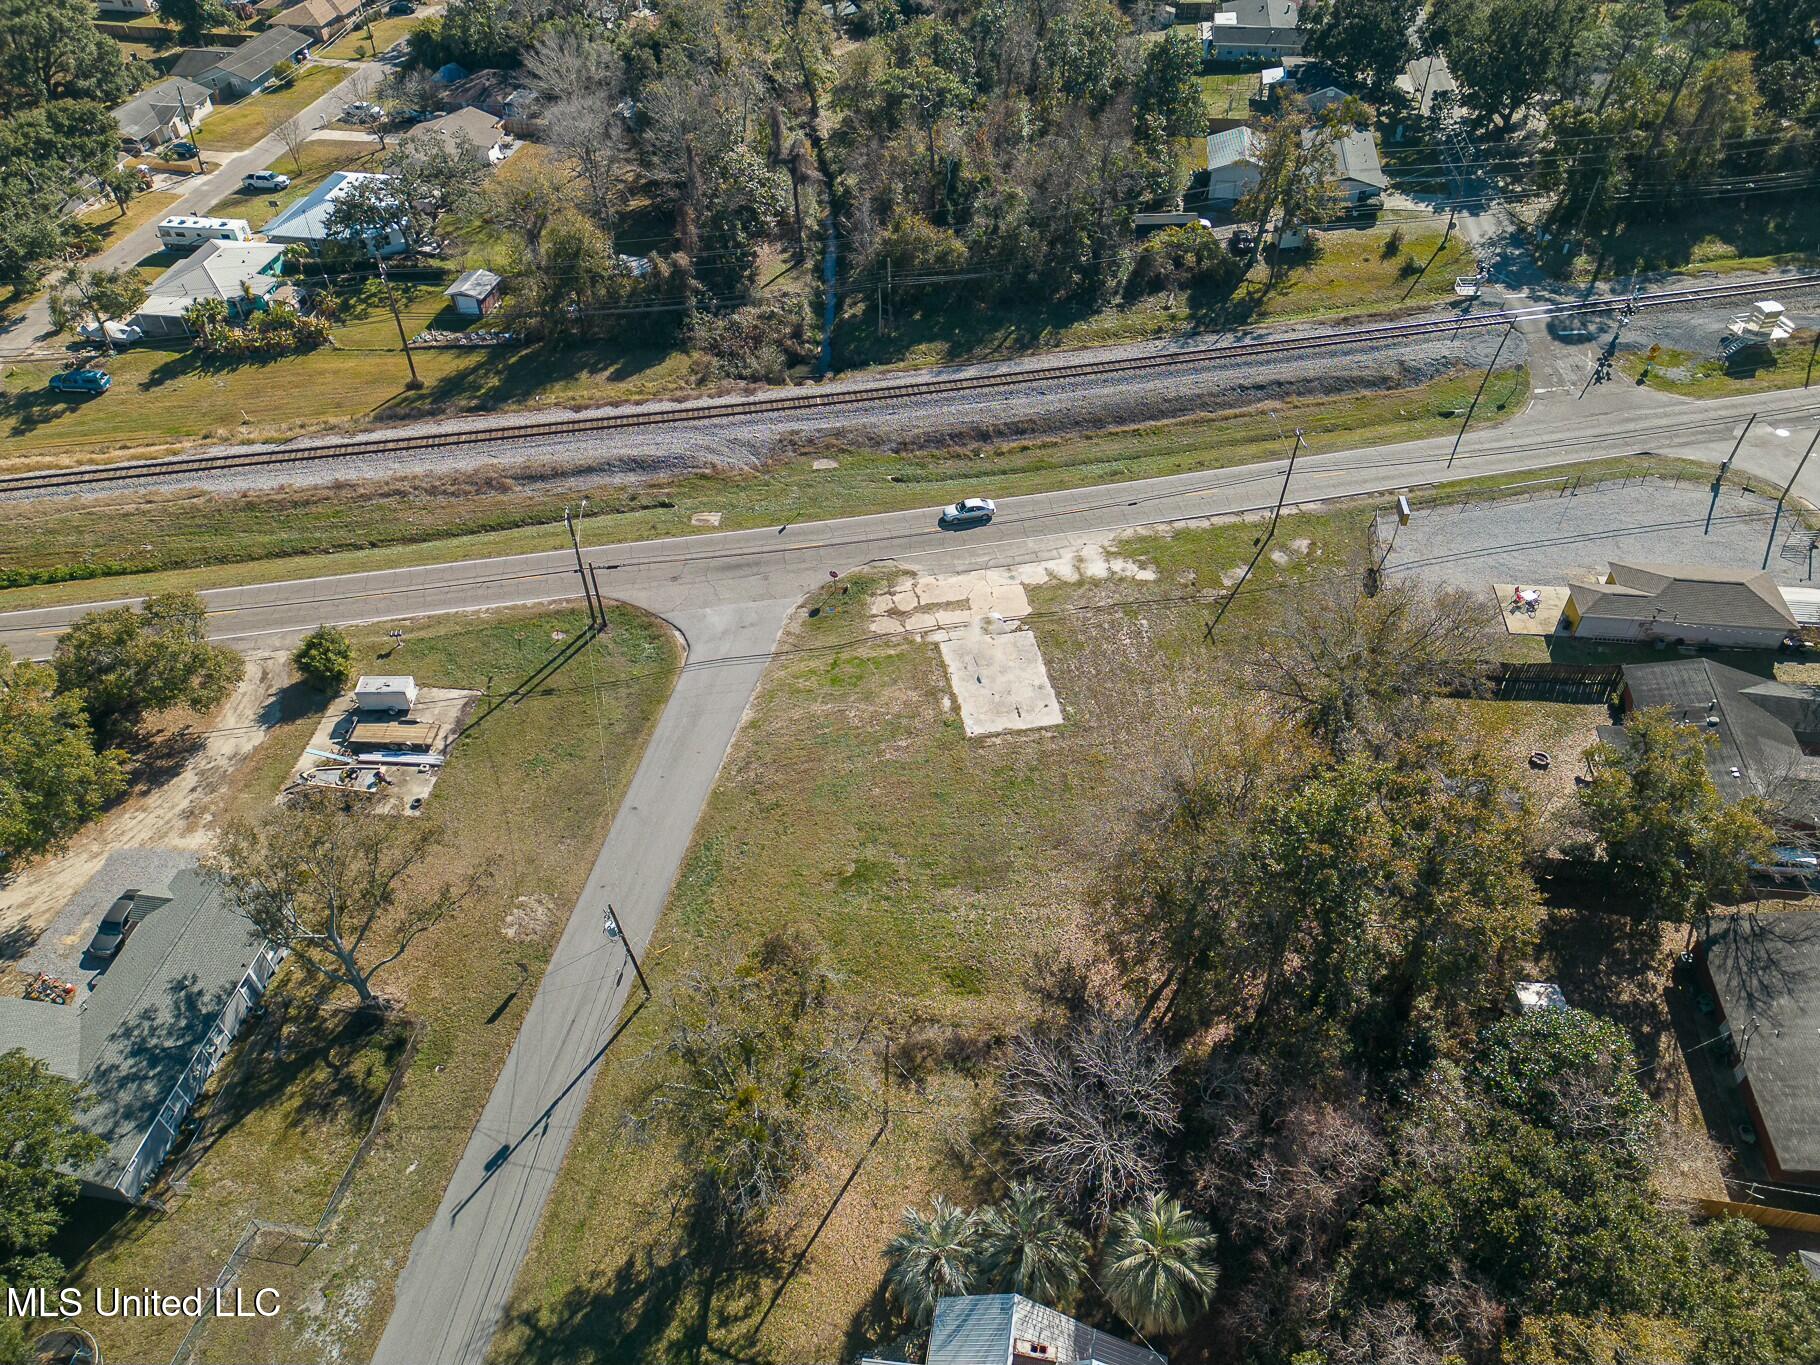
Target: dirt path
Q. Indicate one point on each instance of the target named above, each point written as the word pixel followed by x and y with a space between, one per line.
pixel 178 813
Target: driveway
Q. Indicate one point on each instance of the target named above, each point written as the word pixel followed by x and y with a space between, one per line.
pixel 30 334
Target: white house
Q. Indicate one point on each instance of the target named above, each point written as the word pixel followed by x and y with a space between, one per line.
pixel 236 72
pixel 306 222
pixel 111 7
pixel 1233 165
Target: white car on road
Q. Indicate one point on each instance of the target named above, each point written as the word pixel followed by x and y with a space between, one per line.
pixel 969 512
pixel 120 333
pixel 265 180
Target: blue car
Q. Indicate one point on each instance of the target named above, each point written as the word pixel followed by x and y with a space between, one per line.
pixel 90 382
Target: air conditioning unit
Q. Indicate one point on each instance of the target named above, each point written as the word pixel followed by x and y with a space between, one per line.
pixel 1023 1348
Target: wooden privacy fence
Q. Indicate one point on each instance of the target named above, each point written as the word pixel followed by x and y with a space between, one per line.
pixel 1587 684
pixel 1760 1213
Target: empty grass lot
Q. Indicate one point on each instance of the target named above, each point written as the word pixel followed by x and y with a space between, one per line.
pixel 235 126
pixel 141 209
pixel 529 792
pixel 354 44
pixel 1353 272
pixel 948 880
pixel 1793 364
pixel 475 516
pixel 315 162
pixel 1228 96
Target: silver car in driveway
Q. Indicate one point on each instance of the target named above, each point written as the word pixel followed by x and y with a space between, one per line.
pixel 969 512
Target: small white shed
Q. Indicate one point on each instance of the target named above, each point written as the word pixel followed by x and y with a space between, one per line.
pixel 1526 997
pixel 385 693
pixel 475 294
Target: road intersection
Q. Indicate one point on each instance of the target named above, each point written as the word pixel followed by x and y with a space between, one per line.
pixel 730 595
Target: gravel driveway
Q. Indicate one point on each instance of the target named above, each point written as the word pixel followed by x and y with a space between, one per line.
pixel 1550 538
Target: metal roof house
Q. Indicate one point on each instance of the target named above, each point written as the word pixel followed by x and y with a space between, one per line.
pixel 162 113
pixel 153 1028
pixel 1233 164
pixel 307 221
pixel 243 275
pixel 1763 972
pixel 1695 604
pixel 1009 1329
pixel 236 72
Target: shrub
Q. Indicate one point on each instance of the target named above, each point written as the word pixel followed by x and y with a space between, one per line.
pixel 759 342
pixel 1184 258
pixel 279 330
pixel 325 659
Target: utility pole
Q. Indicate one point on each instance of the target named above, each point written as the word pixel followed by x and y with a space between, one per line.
pixel 1461 434
pixel 183 108
pixel 1263 542
pixel 1724 469
pixel 1788 488
pixel 392 299
pixel 581 569
pixel 615 931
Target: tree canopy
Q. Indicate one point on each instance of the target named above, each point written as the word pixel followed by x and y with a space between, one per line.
pixel 52 778
pixel 127 663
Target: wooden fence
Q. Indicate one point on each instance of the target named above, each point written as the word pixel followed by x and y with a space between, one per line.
pixel 1760 1213
pixel 1586 684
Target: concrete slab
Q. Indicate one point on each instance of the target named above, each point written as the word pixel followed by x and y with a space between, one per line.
pixel 705 519
pixel 405 787
pixel 1000 683
pixel 1547 617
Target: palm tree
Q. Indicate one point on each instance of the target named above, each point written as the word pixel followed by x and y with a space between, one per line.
pixel 1026 1247
pixel 1157 1265
pixel 936 1256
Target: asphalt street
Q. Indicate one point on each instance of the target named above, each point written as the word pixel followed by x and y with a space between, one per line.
pixel 729 594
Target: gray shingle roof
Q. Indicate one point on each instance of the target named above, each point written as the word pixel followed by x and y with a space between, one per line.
pixel 156 106
pixel 1355 157
pixel 1756 733
pixel 1687 594
pixel 979 1329
pixel 132 1037
pixel 253 60
pixel 1766 968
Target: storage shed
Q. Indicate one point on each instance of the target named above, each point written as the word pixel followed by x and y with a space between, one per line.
pixel 385 693
pixel 476 293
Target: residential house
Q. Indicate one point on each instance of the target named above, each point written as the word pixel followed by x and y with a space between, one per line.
pixel 1763 974
pixel 1762 732
pixel 243 275
pixel 476 293
pixel 1315 83
pixel 1252 30
pixel 165 112
pixel 307 221
pixel 1693 604
pixel 485 132
pixel 323 20
pixel 1234 165
pixel 1009 1329
pixel 155 1023
pixel 235 72
pixel 111 7
pixel 498 92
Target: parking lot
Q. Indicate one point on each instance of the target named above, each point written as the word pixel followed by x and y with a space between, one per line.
pixel 1552 537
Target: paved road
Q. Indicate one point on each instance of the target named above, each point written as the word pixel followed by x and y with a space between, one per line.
pixel 31 331
pixel 729 594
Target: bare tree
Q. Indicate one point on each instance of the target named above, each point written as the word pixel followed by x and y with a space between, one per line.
pixel 1087 1111
pixel 1358 668
pixel 335 887
pixel 293 135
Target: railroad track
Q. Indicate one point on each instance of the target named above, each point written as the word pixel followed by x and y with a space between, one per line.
pixel 798 401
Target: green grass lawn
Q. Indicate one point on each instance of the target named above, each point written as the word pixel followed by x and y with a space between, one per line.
pixel 315 162
pixel 1352 272
pixel 529 792
pixel 471 517
pixel 1228 96
pixel 354 45
pixel 1721 236
pixel 235 126
pixel 948 879
pixel 1793 364
pixel 140 210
